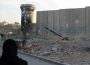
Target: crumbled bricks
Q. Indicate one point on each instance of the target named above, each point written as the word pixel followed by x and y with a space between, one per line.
pixel 62 50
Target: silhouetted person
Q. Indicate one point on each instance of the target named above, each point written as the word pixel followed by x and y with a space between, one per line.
pixel 9 54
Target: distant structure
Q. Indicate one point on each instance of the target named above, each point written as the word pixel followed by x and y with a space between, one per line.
pixel 65 22
pixel 27 19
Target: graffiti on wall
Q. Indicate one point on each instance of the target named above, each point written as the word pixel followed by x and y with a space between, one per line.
pixel 25 21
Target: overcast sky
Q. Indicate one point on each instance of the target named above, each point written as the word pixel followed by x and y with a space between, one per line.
pixel 10 9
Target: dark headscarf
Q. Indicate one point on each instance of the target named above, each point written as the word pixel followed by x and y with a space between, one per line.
pixel 9 54
pixel 9 48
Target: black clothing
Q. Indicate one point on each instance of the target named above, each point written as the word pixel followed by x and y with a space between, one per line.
pixel 12 61
pixel 9 54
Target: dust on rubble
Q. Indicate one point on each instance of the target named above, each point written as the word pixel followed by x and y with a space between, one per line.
pixel 71 50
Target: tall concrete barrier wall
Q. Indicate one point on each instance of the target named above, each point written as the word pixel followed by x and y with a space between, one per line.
pixel 65 21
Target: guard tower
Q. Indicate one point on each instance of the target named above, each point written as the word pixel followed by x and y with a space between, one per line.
pixel 27 19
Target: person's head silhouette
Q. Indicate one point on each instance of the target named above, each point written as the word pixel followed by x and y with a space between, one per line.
pixel 9 54
pixel 9 48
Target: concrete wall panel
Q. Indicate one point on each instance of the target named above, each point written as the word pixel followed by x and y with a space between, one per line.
pixel 82 21
pixel 88 20
pixel 44 22
pixel 50 22
pixel 62 23
pixel 68 23
pixel 56 21
pixel 78 19
pixel 39 22
pixel 65 21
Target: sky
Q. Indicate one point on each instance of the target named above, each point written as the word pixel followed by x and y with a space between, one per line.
pixel 10 9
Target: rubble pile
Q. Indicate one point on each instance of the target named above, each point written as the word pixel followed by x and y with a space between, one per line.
pixel 64 50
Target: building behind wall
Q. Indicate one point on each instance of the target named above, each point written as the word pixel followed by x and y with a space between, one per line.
pixel 64 22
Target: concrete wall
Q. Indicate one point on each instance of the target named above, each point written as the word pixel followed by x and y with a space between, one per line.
pixel 39 23
pixel 88 20
pixel 44 22
pixel 56 21
pixel 50 22
pixel 78 19
pixel 65 21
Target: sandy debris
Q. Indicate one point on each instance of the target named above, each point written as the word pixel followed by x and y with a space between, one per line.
pixel 70 51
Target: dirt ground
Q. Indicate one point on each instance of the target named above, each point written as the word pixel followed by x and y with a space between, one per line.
pixel 73 51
